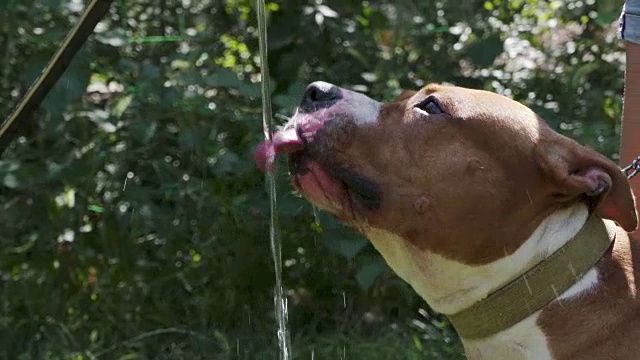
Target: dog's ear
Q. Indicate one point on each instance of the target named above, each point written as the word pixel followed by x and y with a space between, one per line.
pixel 404 95
pixel 576 171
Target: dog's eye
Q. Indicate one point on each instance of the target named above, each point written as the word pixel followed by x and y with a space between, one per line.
pixel 430 106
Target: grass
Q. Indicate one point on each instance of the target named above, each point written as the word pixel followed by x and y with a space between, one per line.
pixel 177 344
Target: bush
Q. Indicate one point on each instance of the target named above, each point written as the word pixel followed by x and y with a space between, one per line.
pixel 135 224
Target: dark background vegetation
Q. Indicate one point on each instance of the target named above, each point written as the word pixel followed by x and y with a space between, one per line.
pixel 134 224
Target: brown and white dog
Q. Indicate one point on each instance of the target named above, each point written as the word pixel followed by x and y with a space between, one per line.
pixel 462 191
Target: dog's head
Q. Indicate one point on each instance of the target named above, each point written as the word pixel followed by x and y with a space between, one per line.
pixel 466 174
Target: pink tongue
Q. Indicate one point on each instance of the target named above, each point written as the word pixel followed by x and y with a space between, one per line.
pixel 287 141
pixel 265 156
pixel 284 142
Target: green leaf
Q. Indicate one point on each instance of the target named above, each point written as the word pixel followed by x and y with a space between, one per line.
pixel 10 181
pixel 71 86
pixel 149 72
pixel 143 131
pixel 115 38
pixel 226 78
pixel 96 208
pixel 226 163
pixel 51 4
pixel 121 106
pixel 189 139
pixel 483 52
pixel 290 205
pixel 326 221
pixel 581 73
pixel 344 241
pixel 369 272
pixel 289 101
pixel 9 165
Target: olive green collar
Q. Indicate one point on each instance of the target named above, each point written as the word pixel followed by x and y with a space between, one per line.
pixel 537 287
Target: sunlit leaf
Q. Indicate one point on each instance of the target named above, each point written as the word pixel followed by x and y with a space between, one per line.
pixel 96 208
pixel 121 106
pixel 327 11
pixel 10 181
pixel 115 38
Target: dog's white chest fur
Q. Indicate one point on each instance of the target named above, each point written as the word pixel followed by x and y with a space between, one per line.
pixel 449 286
pixel 524 341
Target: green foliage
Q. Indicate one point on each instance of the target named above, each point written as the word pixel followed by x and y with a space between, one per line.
pixel 134 223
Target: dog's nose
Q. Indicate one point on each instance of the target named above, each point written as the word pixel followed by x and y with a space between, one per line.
pixel 319 95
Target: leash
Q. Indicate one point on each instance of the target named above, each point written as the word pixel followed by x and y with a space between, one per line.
pixel 633 169
pixel 50 75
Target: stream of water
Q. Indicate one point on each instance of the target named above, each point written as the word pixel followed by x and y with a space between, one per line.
pixel 280 301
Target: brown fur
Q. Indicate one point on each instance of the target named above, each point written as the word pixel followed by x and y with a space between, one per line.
pixel 604 324
pixel 502 158
pixel 473 184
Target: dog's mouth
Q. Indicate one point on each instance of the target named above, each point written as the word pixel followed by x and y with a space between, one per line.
pixel 316 174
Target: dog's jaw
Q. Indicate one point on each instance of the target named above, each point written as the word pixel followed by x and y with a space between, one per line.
pixel 449 286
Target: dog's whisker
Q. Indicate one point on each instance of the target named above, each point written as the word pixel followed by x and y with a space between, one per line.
pixel 282 117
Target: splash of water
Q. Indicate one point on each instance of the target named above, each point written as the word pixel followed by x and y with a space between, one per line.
pixel 274 236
